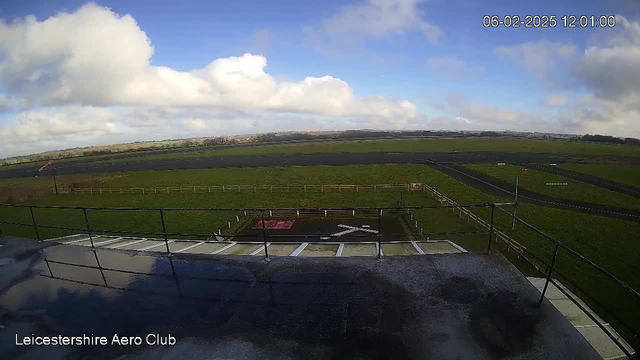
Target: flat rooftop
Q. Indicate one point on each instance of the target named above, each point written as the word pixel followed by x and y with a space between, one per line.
pixel 468 306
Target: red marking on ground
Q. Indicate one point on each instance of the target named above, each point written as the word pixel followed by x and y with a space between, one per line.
pixel 275 224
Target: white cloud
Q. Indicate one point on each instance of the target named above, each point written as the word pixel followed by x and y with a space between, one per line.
pixel 481 116
pixel 454 68
pixel 96 57
pixel 610 71
pixel 381 18
pixel 536 57
pixel 559 99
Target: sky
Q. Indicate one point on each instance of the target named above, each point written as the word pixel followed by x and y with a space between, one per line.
pixel 75 73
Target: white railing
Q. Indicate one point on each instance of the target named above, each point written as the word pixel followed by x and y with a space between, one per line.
pixel 241 188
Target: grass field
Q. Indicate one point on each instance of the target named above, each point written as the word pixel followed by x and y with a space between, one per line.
pixel 625 174
pixel 534 180
pixel 609 242
pixel 408 145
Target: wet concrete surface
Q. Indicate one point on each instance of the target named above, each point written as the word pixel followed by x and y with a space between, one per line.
pixel 498 187
pixel 466 306
pixel 318 159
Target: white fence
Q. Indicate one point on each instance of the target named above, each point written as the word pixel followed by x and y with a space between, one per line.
pixel 243 188
pixel 498 235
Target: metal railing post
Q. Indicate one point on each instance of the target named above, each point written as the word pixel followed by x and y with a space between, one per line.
pixel 493 209
pixel 264 236
pixel 553 263
pixel 86 222
pixel 46 261
pixel 164 231
pixel 379 233
pixel 35 226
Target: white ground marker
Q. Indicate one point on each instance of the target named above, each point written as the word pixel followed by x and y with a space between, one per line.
pixel 129 243
pixel 297 251
pixel 75 241
pixel 156 245
pixel 456 246
pixel 357 228
pixel 106 242
pixel 256 252
pixel 418 249
pixel 190 247
pixel 62 237
pixel 340 248
pixel 222 249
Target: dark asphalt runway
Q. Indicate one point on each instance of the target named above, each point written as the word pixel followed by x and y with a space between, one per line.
pixel 316 159
pixel 590 179
pixel 498 187
pixel 444 161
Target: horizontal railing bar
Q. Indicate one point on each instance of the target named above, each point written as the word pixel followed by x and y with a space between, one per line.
pixel 575 253
pixel 251 209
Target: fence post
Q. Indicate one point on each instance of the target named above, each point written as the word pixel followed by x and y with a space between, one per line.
pixel 375 188
pixel 379 233
pixel 493 208
pixel 553 263
pixel 164 231
pixel 86 222
pixel 264 236
pixel 35 226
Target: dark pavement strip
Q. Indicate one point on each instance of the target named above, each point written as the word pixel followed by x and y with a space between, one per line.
pixel 589 179
pixel 315 159
pixel 498 187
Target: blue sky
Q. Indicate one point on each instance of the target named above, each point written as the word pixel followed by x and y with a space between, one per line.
pixel 433 63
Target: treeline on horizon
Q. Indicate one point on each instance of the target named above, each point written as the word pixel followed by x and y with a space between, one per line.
pixel 296 136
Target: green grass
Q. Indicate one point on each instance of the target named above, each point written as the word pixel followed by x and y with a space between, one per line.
pixel 407 145
pixel 625 174
pixel 609 242
pixel 534 180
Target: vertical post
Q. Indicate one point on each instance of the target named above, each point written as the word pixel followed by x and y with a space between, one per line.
pixel 48 267
pixel 164 231
pixel 264 236
pixel 493 209
pixel 35 226
pixel 553 263
pixel 55 182
pixel 379 233
pixel 515 206
pixel 86 222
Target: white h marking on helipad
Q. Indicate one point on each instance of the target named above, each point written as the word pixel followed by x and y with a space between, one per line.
pixel 352 229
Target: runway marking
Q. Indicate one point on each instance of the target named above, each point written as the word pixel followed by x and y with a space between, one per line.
pixel 75 241
pixel 106 242
pixel 352 229
pixel 62 237
pixel 417 248
pixel 456 246
pixel 340 248
pixel 156 245
pixel 297 251
pixel 189 247
pixel 127 244
pixel 223 248
pixel 256 252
